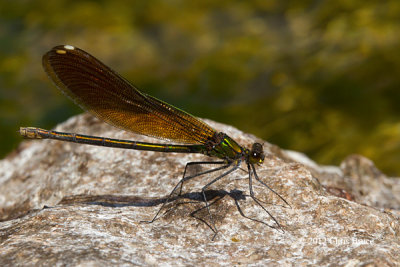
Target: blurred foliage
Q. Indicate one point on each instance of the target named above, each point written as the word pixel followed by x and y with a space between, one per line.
pixel 321 77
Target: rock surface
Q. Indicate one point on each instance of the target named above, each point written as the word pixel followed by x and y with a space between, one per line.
pixel 69 204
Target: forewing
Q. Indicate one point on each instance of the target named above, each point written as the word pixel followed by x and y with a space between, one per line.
pixel 103 92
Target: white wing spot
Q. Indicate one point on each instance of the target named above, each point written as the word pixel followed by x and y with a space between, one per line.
pixel 69 47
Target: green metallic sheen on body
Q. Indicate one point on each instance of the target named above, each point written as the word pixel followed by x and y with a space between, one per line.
pixel 227 149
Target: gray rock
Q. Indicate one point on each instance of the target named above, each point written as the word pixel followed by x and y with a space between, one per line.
pixel 68 204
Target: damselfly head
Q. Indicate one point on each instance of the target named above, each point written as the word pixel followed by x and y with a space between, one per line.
pixel 256 155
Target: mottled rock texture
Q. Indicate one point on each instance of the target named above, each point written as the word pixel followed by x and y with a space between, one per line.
pixel 69 204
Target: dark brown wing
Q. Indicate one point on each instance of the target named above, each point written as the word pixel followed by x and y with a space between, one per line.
pixel 101 91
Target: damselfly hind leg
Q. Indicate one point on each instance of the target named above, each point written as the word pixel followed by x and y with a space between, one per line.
pixel 187 178
pixel 197 172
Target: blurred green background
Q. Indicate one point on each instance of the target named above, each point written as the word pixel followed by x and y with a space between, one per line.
pixel 320 77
